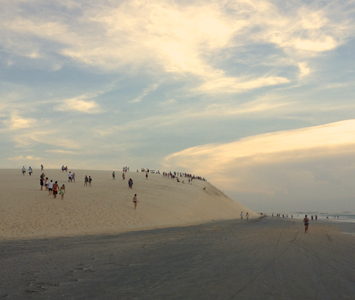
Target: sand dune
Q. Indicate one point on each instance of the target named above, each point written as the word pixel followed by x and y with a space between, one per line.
pixel 106 207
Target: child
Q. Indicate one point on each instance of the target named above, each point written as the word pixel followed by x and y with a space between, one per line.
pixel 62 191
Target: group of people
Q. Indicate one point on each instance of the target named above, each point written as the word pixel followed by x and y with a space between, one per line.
pixel 87 180
pixel 242 215
pixel 30 171
pixel 52 188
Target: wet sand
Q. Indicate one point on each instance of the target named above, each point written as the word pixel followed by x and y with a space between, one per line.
pixel 268 258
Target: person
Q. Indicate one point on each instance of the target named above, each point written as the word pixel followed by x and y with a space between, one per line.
pixel 62 191
pixel 73 177
pixel 69 176
pixel 135 201
pixel 30 171
pixel 306 223
pixel 50 187
pixel 123 176
pixel 86 179
pixel 113 175
pixel 316 217
pixel 146 175
pixel 241 215
pixel 130 183
pixel 55 189
pixel 90 179
pixel 41 182
pixel 23 170
pixel 41 167
pixel 247 215
pixel 46 184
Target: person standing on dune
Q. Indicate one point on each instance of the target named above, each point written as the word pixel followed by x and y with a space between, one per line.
pixel 135 201
pixel 306 223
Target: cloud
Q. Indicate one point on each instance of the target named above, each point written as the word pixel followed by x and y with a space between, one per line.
pixel 146 92
pixel 21 158
pixel 79 104
pixel 61 151
pixel 265 151
pixel 304 70
pixel 178 38
pixel 233 85
pixel 16 122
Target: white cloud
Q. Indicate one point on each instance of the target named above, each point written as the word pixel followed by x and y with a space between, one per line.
pixel 61 151
pixel 16 122
pixel 271 148
pixel 146 92
pixel 304 70
pixel 80 104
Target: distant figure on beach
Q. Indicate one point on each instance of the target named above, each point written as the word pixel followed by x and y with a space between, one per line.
pixel 316 217
pixel 73 177
pixel 55 189
pixel 123 176
pixel 41 167
pixel 69 176
pixel 41 182
pixel 23 170
pixel 90 180
pixel 306 223
pixel 241 215
pixel 130 183
pixel 46 184
pixel 312 217
pixel 30 171
pixel 86 179
pixel 247 216
pixel 135 201
pixel 146 175
pixel 113 175
pixel 50 187
pixel 62 191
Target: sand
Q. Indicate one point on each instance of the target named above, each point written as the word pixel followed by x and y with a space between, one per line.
pixel 106 207
pixel 268 258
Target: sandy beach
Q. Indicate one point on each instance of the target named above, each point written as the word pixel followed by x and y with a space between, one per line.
pixel 94 245
pixel 268 258
pixel 106 207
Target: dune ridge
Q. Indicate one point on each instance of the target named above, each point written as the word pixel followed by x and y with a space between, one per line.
pixel 106 207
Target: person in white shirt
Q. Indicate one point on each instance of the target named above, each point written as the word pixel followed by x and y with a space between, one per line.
pixel 50 187
pixel 23 170
pixel 241 215
pixel 69 176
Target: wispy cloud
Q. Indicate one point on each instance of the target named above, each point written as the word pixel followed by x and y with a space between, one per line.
pixel 24 158
pixel 80 104
pixel 146 92
pixel 16 122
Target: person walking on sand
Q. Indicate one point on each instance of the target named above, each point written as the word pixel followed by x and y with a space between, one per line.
pixel 241 215
pixel 130 183
pixel 46 184
pixel 123 176
pixel 90 179
pixel 41 182
pixel 146 175
pixel 55 189
pixel 73 177
pixel 306 223
pixel 23 170
pixel 50 187
pixel 86 179
pixel 135 201
pixel 69 176
pixel 62 191
pixel 113 175
pixel 247 216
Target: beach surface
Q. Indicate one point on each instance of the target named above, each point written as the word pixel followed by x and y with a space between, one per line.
pixel 106 206
pixel 266 258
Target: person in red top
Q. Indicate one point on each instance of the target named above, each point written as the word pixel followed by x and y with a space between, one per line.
pixel 55 189
pixel 306 223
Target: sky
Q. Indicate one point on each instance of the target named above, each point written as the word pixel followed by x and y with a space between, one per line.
pixel 255 96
